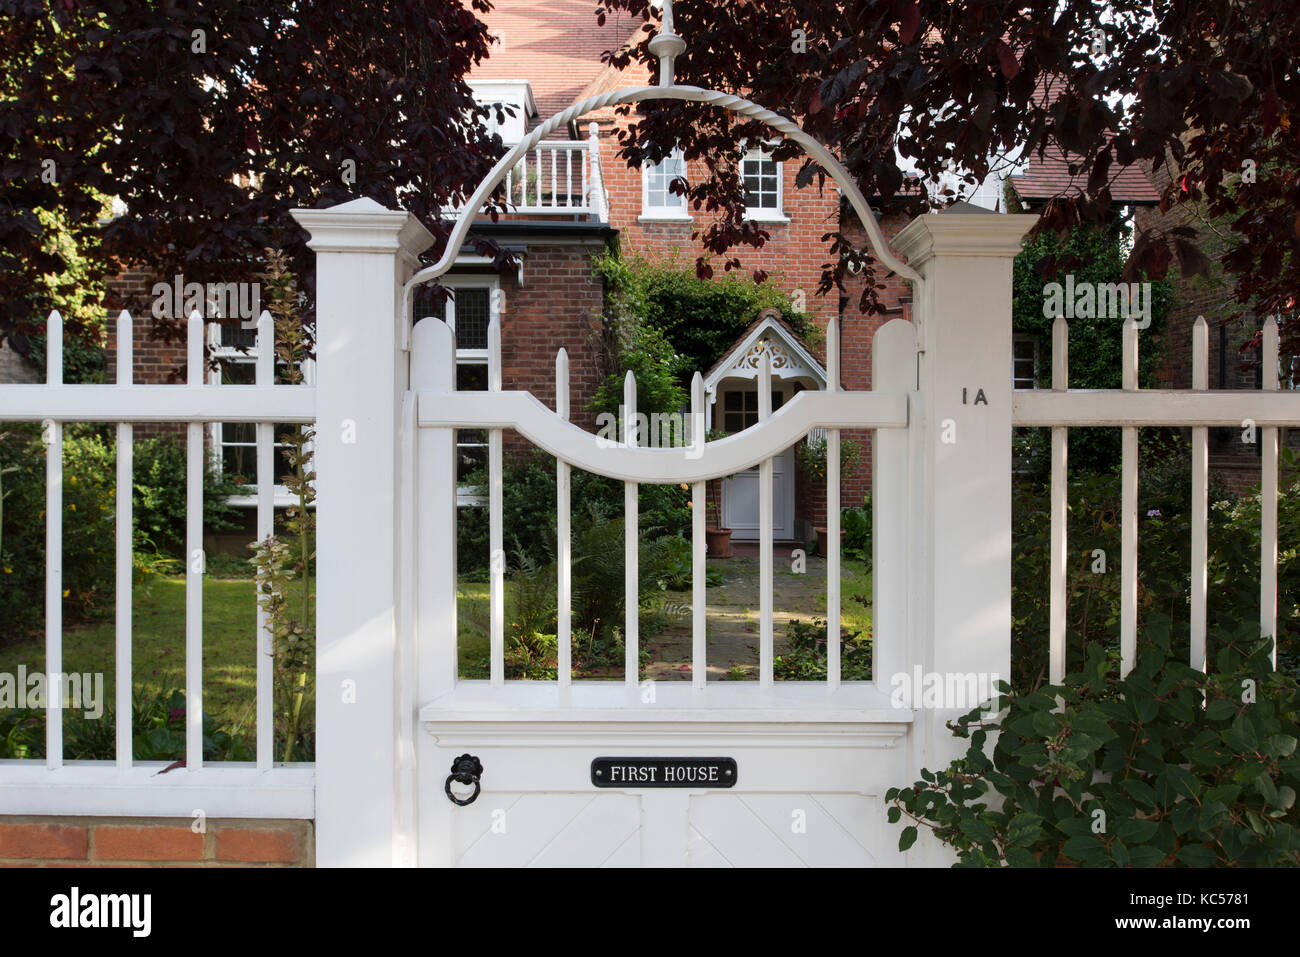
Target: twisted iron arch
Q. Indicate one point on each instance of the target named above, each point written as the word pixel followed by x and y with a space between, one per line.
pixel 728 101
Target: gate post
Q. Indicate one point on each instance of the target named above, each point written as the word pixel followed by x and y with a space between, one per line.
pixel 364 253
pixel 960 449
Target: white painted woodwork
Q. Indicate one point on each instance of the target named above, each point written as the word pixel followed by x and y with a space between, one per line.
pixel 833 515
pixel 699 558
pixel 264 375
pixel 1200 498
pixel 893 369
pixel 1058 600
pixel 364 254
pixel 631 543
pixel 1268 437
pixel 765 635
pixel 496 546
pixel 1128 587
pixel 563 536
pixel 538 424
pixel 125 568
pixel 53 434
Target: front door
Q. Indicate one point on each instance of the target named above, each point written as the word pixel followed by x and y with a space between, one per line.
pixel 739 410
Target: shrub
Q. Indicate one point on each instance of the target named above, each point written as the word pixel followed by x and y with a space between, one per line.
pixel 856 523
pixel 528 509
pixel 699 318
pixel 1165 767
pixel 157 733
pixel 806 659
pixel 1093 582
pixel 89 518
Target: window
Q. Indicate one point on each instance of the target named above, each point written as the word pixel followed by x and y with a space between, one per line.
pixel 740 409
pixel 1024 362
pixel 472 305
pixel 234 444
pixel 658 201
pixel 761 176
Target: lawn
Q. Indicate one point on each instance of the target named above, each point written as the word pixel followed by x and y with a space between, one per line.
pixel 229 633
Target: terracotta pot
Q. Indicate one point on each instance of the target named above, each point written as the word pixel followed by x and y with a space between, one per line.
pixel 718 542
pixel 822 543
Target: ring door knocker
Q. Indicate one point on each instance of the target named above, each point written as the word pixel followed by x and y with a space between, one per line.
pixel 466 769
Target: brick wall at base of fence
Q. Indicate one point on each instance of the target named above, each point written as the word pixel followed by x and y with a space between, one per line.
pixel 57 841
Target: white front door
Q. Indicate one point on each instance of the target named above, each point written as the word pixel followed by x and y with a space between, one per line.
pixel 737 409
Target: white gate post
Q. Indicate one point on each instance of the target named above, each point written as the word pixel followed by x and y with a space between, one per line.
pixel 960 538
pixel 364 253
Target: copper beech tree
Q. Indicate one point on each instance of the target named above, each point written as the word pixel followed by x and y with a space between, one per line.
pixel 209 119
pixel 1207 86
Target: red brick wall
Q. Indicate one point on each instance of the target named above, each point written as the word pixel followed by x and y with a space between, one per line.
pixel 48 841
pixel 558 306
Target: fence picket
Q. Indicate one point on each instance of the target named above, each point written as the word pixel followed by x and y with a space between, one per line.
pixel 1128 512
pixel 264 375
pixel 765 638
pixel 1058 597
pixel 631 535
pixel 122 499
pixel 54 552
pixel 699 561
pixel 833 626
pixel 195 559
pixel 1200 496
pixel 1268 495
pixel 497 555
pixel 563 535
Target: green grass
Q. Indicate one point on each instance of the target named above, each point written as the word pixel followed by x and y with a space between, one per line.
pixel 158 647
pixel 229 638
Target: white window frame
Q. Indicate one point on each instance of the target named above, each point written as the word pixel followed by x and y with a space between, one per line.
pixel 473 496
pixel 281 497
pixel 759 214
pixel 679 213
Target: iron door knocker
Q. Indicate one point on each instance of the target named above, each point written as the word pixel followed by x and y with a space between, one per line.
pixel 466 769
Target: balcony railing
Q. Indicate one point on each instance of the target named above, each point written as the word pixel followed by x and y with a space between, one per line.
pixel 559 178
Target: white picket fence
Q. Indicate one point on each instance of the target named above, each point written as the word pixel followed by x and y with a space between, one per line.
pixel 1131 408
pixel 390 705
pixel 125 786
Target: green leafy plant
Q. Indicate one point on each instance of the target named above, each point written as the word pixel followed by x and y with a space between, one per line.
pixel 157 733
pixel 810 457
pixel 806 659
pixel 1164 767
pixel 856 523
pixel 284 561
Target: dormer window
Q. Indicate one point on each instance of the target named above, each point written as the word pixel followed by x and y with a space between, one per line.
pixel 517 107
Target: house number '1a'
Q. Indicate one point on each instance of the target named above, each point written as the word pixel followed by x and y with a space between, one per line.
pixel 980 398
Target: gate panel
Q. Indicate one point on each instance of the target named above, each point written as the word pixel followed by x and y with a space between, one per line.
pixel 813 759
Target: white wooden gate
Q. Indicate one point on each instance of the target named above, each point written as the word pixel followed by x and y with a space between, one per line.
pixel 813 758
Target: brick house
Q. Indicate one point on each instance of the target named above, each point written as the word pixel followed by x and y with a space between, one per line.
pixel 570 200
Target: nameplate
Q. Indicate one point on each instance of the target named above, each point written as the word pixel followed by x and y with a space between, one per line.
pixel 663 772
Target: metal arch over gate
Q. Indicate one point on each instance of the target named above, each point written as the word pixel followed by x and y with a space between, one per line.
pixel 666 46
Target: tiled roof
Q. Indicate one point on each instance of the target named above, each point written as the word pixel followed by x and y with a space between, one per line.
pixel 1050 176
pixel 554 44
